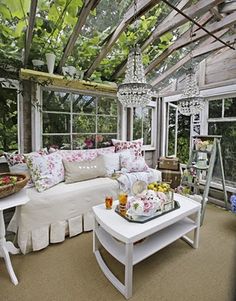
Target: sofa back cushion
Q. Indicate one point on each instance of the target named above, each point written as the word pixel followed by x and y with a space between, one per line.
pixel 84 170
pixel 85 154
pixel 135 145
pixel 17 163
pixel 112 163
pixel 131 163
pixel 46 170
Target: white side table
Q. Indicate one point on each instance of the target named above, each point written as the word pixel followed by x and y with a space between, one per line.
pixel 7 247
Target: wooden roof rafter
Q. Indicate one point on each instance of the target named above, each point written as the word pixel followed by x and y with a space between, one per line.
pixel 84 12
pixel 185 39
pixel 207 46
pixel 121 68
pixel 142 7
pixel 29 32
pixel 193 11
pixel 196 23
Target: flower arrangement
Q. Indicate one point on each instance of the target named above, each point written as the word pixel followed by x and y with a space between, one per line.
pixel 6 180
pixel 203 145
pixel 151 201
pixel 184 190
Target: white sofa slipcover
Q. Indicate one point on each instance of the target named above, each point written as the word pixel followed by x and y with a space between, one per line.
pixel 63 209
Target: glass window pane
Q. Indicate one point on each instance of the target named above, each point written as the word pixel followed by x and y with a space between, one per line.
pixel 171 130
pixel 84 124
pixel 230 107
pixel 83 141
pixel 107 124
pixel 183 138
pixel 8 119
pixel 56 123
pixel 215 108
pixel 147 126
pixel 60 141
pixel 83 104
pixel 137 123
pixel 142 124
pixel 228 148
pixel 104 140
pixel 107 106
pixel 56 101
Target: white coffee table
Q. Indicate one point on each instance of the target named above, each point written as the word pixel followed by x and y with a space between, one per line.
pixel 118 236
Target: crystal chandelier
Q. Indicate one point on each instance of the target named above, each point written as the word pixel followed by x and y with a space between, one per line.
pixel 191 102
pixel 134 91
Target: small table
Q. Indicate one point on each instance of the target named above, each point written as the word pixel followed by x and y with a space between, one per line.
pixel 7 247
pixel 118 236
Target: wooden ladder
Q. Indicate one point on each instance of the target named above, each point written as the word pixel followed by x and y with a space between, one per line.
pixel 216 149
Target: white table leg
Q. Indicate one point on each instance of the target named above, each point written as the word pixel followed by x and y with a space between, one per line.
pixel 6 247
pixel 197 230
pixel 128 270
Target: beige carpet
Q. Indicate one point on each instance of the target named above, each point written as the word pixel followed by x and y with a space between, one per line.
pixel 69 271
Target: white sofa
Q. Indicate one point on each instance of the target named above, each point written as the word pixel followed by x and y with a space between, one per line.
pixel 64 209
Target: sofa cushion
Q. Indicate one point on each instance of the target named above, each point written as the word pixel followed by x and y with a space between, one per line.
pixel 84 170
pixel 121 145
pixel 46 170
pixel 130 163
pixel 112 163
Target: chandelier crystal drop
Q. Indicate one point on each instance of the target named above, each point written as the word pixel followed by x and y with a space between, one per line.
pixel 191 102
pixel 134 91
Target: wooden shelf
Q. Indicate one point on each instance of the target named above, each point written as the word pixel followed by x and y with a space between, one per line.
pixel 59 81
pixel 150 245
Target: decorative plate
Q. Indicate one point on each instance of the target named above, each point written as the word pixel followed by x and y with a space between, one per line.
pixel 138 187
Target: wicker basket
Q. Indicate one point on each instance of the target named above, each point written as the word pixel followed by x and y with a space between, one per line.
pixel 9 189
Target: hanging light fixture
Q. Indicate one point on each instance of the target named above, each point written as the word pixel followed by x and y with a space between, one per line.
pixel 134 91
pixel 191 102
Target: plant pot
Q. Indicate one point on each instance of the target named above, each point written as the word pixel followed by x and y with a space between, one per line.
pixel 50 58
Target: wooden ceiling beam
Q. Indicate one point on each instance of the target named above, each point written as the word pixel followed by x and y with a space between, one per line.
pixel 196 23
pixel 203 48
pixel 218 16
pixel 121 68
pixel 83 14
pixel 142 7
pixel 185 39
pixel 29 32
pixel 193 11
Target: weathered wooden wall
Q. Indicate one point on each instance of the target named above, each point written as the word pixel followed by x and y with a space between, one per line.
pixel 218 70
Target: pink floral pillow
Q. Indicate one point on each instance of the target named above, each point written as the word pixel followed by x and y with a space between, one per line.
pixel 136 145
pixel 46 171
pixel 85 155
pixel 15 159
pixel 130 163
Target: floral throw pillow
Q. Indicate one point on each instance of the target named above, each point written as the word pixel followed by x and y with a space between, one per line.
pixel 136 145
pixel 46 170
pixel 15 159
pixel 130 163
pixel 85 155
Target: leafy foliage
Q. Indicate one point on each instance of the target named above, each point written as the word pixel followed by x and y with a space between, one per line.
pixel 54 23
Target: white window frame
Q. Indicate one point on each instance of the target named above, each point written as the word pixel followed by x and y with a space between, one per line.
pixel 209 94
pixel 176 129
pixel 37 124
pixel 153 106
